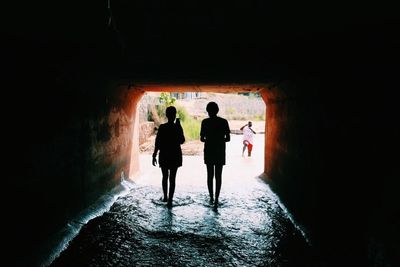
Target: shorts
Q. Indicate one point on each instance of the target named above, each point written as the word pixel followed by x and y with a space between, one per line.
pixel 247 143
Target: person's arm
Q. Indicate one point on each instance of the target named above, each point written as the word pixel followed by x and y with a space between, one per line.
pixel 252 130
pixel 154 160
pixel 156 147
pixel 181 134
pixel 182 138
pixel 241 128
pixel 202 132
pixel 227 132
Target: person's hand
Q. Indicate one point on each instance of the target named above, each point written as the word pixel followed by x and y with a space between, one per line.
pixel 154 160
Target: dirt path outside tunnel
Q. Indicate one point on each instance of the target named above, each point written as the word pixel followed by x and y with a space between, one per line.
pixel 195 147
pixel 193 171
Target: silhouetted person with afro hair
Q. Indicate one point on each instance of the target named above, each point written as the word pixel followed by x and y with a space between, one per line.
pixel 214 133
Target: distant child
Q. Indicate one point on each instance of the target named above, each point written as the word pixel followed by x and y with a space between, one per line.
pixel 248 134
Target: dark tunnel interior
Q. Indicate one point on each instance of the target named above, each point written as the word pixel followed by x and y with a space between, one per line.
pixel 328 74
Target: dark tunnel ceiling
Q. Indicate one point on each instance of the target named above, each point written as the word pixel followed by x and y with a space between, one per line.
pixel 174 21
pixel 197 35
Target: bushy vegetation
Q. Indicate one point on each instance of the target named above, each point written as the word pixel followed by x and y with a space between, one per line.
pixel 166 99
pixel 191 128
pixel 244 106
pixel 182 114
pixel 190 125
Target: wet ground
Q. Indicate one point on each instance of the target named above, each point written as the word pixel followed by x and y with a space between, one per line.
pixel 250 227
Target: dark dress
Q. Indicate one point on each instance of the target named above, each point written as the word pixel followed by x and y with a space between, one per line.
pixel 168 141
pixel 214 130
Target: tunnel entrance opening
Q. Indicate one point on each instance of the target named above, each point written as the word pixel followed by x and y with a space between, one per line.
pixel 191 102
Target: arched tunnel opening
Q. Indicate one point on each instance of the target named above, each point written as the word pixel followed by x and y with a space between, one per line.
pixel 328 76
pixel 237 105
pixel 134 169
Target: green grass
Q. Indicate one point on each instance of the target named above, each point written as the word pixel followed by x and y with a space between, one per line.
pixel 191 128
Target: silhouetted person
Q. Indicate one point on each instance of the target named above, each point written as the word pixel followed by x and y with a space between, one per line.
pixel 168 142
pixel 214 133
pixel 248 134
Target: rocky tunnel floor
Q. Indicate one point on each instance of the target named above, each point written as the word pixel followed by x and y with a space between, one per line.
pixel 250 227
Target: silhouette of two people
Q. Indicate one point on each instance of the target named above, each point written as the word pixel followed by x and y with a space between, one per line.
pixel 214 133
pixel 168 141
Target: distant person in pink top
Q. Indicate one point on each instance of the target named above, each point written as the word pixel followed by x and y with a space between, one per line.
pixel 248 134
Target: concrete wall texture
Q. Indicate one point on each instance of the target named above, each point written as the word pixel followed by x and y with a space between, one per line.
pixel 330 85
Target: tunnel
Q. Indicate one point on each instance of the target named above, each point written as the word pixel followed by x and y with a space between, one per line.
pixel 73 76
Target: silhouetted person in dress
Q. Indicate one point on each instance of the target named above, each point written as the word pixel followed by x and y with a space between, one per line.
pixel 214 133
pixel 168 141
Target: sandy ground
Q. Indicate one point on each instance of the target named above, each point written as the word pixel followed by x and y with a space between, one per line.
pixel 195 147
pixel 193 172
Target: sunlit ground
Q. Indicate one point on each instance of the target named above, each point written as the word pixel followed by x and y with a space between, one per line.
pixel 250 227
pixel 238 173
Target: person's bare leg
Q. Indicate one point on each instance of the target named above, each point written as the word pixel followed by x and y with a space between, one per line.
pixel 218 183
pixel 164 183
pixel 210 177
pixel 244 149
pixel 172 178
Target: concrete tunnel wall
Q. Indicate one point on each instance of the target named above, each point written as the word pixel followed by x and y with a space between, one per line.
pixel 80 146
pixel 315 158
pixel 306 132
pixel 93 141
pixel 324 157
